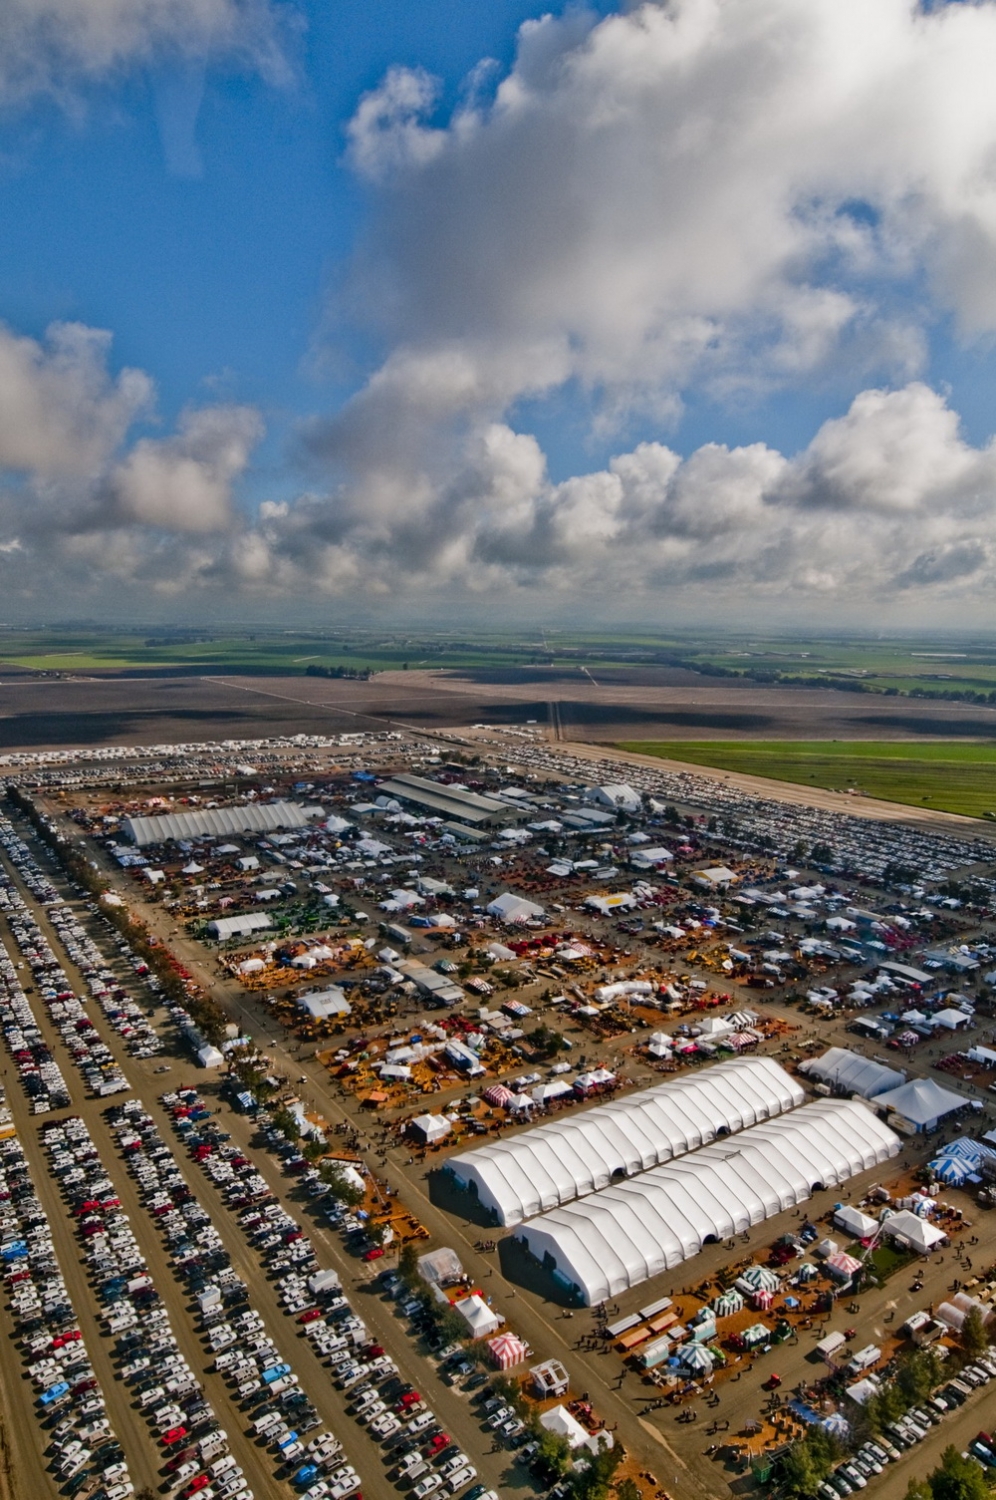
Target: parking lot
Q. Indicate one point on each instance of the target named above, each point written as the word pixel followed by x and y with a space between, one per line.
pixel 106 1130
pixel 192 1175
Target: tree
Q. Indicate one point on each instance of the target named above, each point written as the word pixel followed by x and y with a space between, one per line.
pixel 408 1262
pixel 974 1339
pixel 592 1483
pixel 553 1452
pixel 958 1478
pixel 918 1374
pixel 314 1148
pixel 627 1490
pixel 892 1403
pixel 341 1187
pixel 871 1413
pixel 545 1041
pixel 919 1489
pixel 287 1124
pixel 800 1475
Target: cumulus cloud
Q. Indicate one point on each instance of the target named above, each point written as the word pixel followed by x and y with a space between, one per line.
pixel 184 483
pixel 886 498
pixel 78 490
pixel 53 47
pixel 725 193
pixel 718 197
pixel 61 412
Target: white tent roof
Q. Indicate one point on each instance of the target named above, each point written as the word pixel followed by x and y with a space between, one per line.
pixel 921 1101
pixel 918 1233
pixel 849 1070
pixel 950 1018
pixel 559 1420
pixel 257 817
pixel 634 1230
pixel 512 908
pixel 568 1158
pixel 478 1316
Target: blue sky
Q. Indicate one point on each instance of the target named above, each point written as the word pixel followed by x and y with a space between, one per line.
pixel 219 276
pixel 498 309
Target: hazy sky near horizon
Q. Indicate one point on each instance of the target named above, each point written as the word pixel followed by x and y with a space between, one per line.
pixel 360 307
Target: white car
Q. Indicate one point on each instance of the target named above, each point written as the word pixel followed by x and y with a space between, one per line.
pixel 461 1479
pixel 186 1471
pixel 427 1485
pixel 346 1485
pixel 385 1426
pixel 371 1413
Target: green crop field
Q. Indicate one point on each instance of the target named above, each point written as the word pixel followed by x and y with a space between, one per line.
pixel 950 776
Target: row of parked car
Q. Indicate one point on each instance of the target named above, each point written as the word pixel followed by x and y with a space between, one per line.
pixel 910 1429
pixel 84 1455
pixel 130 1306
pixel 311 1296
pixel 121 1010
pixel 91 1055
pixel 40 1076
pixel 202 1264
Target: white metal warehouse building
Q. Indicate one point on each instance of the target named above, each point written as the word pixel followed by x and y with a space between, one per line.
pixel 566 1159
pixel 634 1230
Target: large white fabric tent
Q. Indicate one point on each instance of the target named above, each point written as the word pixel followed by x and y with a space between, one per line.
pixel 254 817
pixel 844 1069
pixel 921 1101
pixel 634 1230
pixel 565 1159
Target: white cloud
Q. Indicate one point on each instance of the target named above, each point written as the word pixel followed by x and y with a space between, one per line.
pixel 78 492
pixel 184 483
pixel 725 193
pixel 887 499
pixel 61 412
pixel 718 197
pixel 53 47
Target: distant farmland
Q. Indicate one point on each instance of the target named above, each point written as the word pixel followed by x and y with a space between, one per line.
pixel 949 776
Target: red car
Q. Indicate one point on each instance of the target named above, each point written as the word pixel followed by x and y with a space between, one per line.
pixel 173 1436
pixel 411 1398
pixel 374 1253
pixel 172 1464
pixel 438 1443
pixel 310 1315
pixel 199 1482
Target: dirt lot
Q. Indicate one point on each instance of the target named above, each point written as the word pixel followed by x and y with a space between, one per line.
pixel 621 704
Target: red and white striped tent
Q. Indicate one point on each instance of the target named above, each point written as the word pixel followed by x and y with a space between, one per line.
pixel 507 1349
pixel 498 1094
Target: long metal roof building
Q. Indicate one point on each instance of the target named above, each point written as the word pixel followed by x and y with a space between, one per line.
pixel 452 801
pixel 568 1158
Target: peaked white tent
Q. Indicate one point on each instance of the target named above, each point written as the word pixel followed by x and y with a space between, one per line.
pixel 511 908
pixel 627 1233
pixel 921 1101
pixel 916 1233
pixel 569 1158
